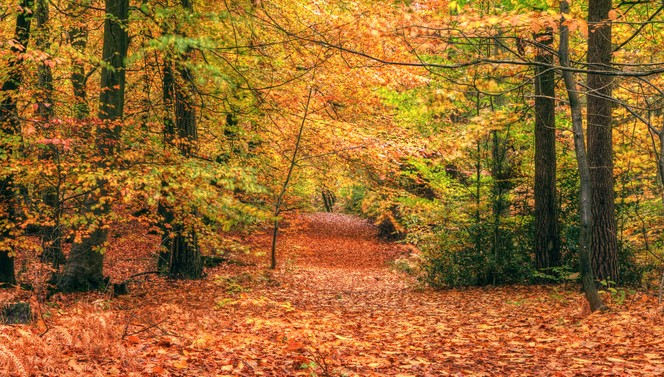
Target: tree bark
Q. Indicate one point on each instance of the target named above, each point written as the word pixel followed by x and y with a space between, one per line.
pixel 78 38
pixel 585 184
pixel 84 268
pixel 10 127
pixel 45 77
pixel 547 239
pixel 50 234
pixel 604 252
pixel 181 257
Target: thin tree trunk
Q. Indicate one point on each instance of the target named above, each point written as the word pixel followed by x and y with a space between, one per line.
pixel 10 126
pixel 84 267
pixel 585 188
pixel 284 187
pixel 547 240
pixel 164 210
pixel 604 252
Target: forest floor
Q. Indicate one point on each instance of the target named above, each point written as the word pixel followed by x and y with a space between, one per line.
pixel 335 306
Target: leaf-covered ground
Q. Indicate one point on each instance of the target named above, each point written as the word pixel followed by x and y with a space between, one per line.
pixel 334 307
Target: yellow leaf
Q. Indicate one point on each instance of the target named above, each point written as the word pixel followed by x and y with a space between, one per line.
pixel 182 364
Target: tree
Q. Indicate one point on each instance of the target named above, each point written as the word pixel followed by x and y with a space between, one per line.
pixel 279 201
pixel 84 267
pixel 604 251
pixel 547 240
pixel 78 38
pixel 51 234
pixel 181 257
pixel 10 128
pixel 585 183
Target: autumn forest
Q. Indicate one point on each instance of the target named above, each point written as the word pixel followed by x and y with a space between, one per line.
pixel 331 188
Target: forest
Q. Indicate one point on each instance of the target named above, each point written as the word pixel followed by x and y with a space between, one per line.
pixel 331 188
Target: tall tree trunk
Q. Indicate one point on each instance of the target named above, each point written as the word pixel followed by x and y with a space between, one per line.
pixel 78 37
pixel 50 234
pixel 181 257
pixel 45 77
pixel 585 186
pixel 547 239
pixel 501 185
pixel 10 127
pixel 83 270
pixel 604 253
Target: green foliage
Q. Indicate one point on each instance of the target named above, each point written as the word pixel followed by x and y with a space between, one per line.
pixel 234 285
pixel 632 272
pixel 352 197
pixel 453 259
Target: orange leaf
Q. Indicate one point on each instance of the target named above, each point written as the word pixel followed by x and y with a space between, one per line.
pixel 294 345
pixel 158 369
pixel 133 339
pixel 613 15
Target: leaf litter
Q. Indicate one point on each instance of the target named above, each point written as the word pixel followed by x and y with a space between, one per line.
pixel 334 307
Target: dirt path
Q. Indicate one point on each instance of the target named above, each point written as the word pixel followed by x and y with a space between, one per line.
pixel 334 307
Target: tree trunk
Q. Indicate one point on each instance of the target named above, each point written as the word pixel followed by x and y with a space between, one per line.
pixel 604 252
pixel 547 240
pixel 181 257
pixel 78 37
pixel 585 187
pixel 50 234
pixel 10 126
pixel 284 187
pixel 84 268
pixel 45 77
pixel 186 261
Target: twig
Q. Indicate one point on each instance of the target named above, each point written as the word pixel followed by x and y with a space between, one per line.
pixel 661 289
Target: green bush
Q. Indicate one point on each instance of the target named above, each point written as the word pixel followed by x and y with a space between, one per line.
pixel 472 258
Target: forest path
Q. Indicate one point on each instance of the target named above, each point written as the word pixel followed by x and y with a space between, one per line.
pixel 336 307
pixel 333 307
pixel 352 314
pixel 339 258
